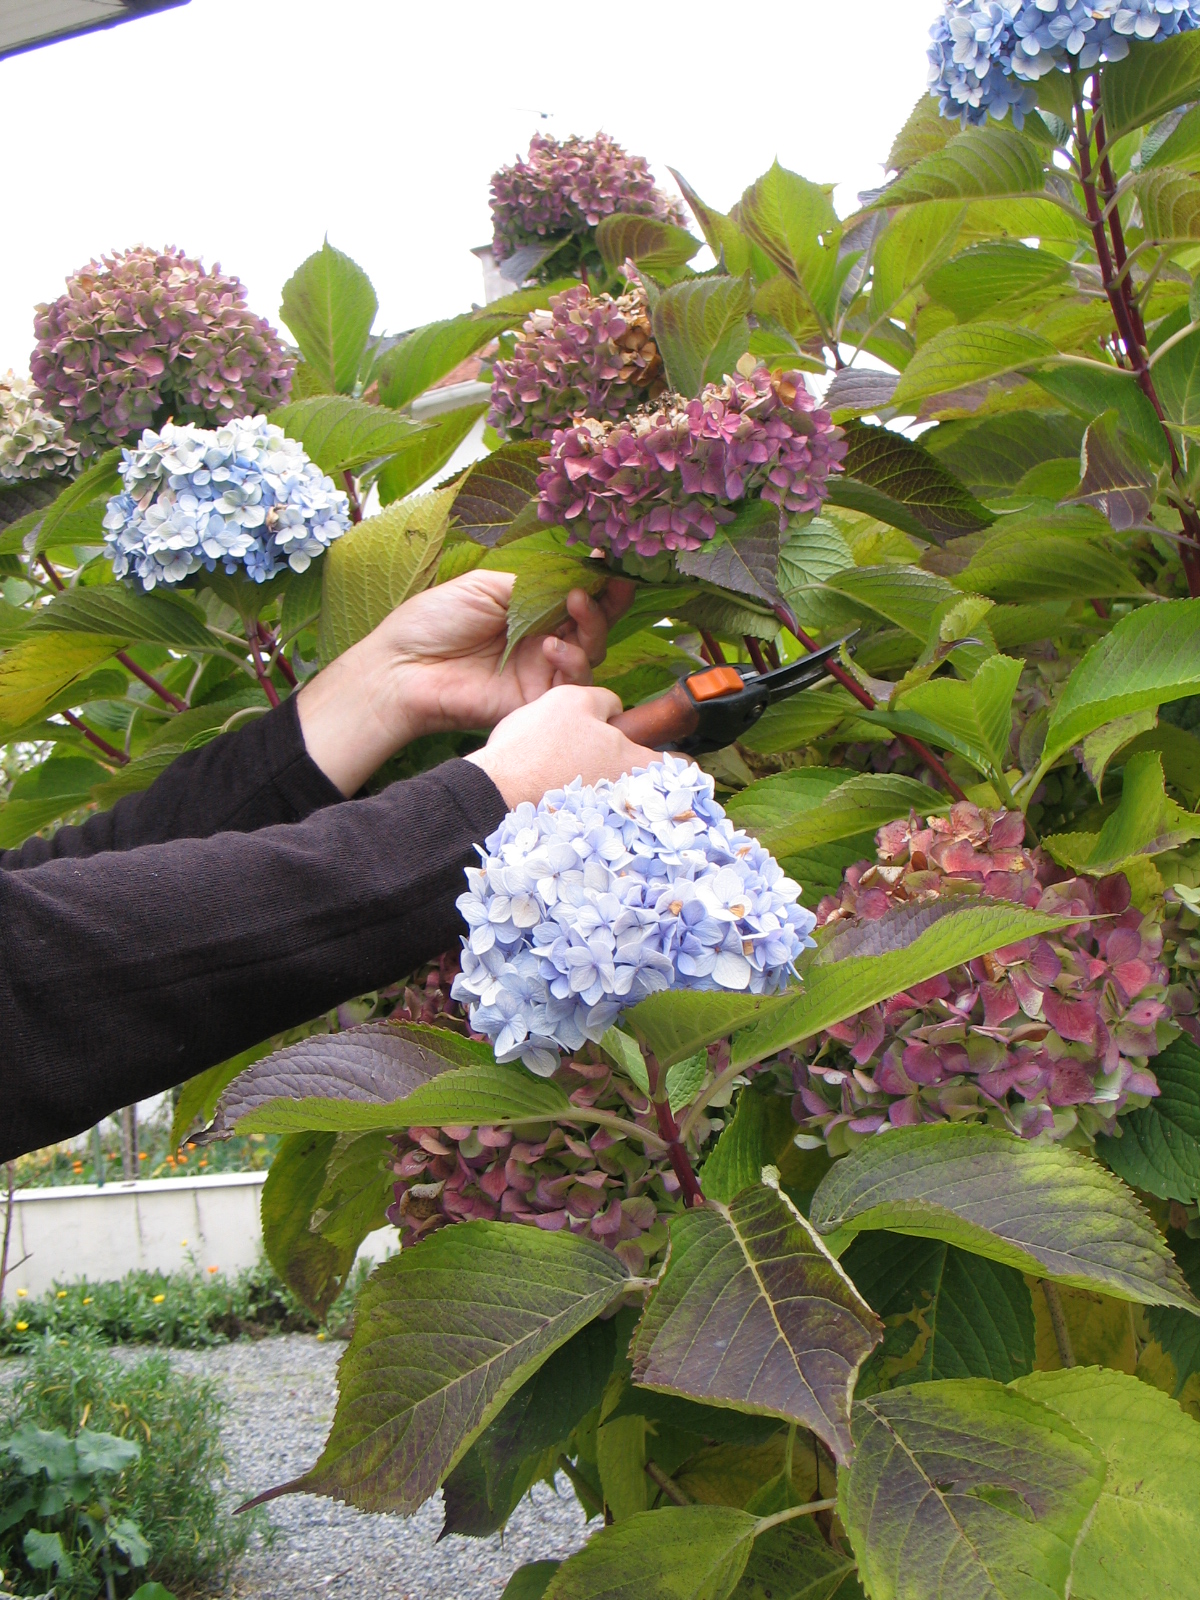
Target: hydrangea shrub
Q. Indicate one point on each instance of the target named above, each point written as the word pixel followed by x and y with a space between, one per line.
pixel 669 474
pixel 1043 1036
pixel 33 444
pixel 145 336
pixel 603 894
pixel 244 497
pixel 584 356
pixel 569 186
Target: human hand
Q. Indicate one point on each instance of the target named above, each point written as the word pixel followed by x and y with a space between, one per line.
pixel 566 734
pixel 432 666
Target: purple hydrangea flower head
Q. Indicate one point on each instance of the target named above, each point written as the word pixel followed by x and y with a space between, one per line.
pixel 601 895
pixel 987 55
pixel 243 496
pixel 1044 1036
pixel 33 444
pixel 587 355
pixel 666 476
pixel 569 186
pixel 144 336
pixel 588 1181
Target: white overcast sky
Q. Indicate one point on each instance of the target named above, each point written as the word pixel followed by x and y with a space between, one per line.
pixel 245 130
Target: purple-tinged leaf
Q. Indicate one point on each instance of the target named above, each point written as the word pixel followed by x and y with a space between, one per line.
pixel 658 246
pixel 896 480
pixel 1119 487
pixel 744 556
pixel 754 1312
pixel 497 490
pixel 702 330
pixel 856 390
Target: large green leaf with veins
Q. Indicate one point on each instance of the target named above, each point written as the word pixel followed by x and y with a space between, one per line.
pixel 966 1490
pixel 982 163
pixel 445 1333
pixel 1039 1208
pixel 678 1553
pixel 1142 1541
pixel 753 1312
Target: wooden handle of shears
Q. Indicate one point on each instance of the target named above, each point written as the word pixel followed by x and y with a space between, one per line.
pixel 661 722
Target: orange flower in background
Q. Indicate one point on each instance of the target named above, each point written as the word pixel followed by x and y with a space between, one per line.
pixel 214 1269
pixel 142 1156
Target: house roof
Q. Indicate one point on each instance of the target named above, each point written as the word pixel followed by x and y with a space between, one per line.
pixel 25 24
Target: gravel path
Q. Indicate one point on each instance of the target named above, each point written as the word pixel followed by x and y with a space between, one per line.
pixel 282 1393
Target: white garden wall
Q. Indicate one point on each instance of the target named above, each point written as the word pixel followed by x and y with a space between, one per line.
pixel 166 1225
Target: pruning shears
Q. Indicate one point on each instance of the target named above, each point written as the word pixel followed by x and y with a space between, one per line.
pixel 710 709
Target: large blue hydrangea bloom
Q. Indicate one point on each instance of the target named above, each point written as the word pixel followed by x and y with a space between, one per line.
pixel 601 895
pixel 987 55
pixel 243 495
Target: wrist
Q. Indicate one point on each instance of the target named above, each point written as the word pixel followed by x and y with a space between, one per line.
pixel 357 713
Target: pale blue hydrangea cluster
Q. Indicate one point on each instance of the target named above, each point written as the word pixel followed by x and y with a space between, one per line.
pixel 987 55
pixel 602 894
pixel 243 496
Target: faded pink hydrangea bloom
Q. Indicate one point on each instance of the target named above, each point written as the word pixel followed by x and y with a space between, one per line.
pixel 569 186
pixel 1043 1036
pixel 593 1183
pixel 146 336
pixel 667 476
pixel 587 355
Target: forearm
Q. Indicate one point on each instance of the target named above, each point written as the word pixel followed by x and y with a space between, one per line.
pixel 124 974
pixel 252 777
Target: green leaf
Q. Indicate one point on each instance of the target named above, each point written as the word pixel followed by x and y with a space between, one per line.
pixel 1042 1209
pixel 997 452
pixel 84 500
pixel 1157 1148
pixel 701 329
pixel 725 239
pixel 198 1098
pixel 966 1489
pixel 753 1312
pixel 46 1550
pixel 1044 558
pixel 1090 392
pixel 939 938
pixel 675 1023
pixel 1170 205
pixel 1145 822
pixel 36 671
pixel 428 354
pixel 987 275
pixel 1150 657
pixel 1177 380
pixel 979 164
pixel 378 565
pixel 794 223
pixel 914 242
pixel 496 490
pixel 510 1454
pixel 475 1310
pixel 798 720
pixel 897 481
pixel 313 1267
pixel 655 245
pixel 329 306
pixel 960 356
pixel 908 596
pixel 678 1553
pixel 792 1562
pixel 118 612
pixel 744 555
pixel 1152 80
pixel 925 132
pixel 49 791
pixel 801 808
pixel 1119 486
pixel 482 1095
pixel 341 1082
pixel 1141 1541
pixel 623 1052
pixel 531 1581
pixel 545 575
pixel 758 1137
pixel 974 718
pixel 946 1313
pixel 341 434
pixel 424 455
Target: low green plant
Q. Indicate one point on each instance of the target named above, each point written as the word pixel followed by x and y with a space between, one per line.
pixel 122 1465
pixel 183 1310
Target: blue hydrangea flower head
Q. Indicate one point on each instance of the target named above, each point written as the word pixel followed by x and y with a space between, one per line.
pixel 602 894
pixel 244 496
pixel 987 55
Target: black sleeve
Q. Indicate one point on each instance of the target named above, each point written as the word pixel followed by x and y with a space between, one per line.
pixel 125 973
pixel 257 775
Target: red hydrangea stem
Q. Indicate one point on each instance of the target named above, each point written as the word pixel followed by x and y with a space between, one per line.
pixel 126 661
pixel 275 655
pixel 715 654
pixel 864 698
pixel 118 757
pixel 260 672
pixel 667 1126
pixel 755 652
pixel 352 495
